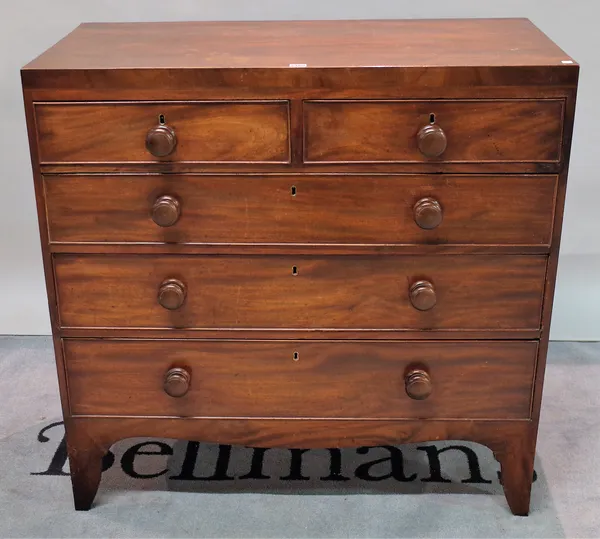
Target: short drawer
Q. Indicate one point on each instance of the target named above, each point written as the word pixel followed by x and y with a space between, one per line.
pixel 420 131
pixel 402 210
pixel 128 132
pixel 288 292
pixel 340 380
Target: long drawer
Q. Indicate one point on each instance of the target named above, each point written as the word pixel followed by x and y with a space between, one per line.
pixel 346 292
pixel 453 131
pixel 306 379
pixel 481 210
pixel 188 131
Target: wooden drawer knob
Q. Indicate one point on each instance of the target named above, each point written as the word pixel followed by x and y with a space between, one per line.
pixel 428 213
pixel 166 211
pixel 161 140
pixel 418 384
pixel 422 295
pixel 432 140
pixel 177 382
pixel 171 294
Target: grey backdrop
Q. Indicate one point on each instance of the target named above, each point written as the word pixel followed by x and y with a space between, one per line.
pixel 28 27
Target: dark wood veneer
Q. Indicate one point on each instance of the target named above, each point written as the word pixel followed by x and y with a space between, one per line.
pixel 205 131
pixel 349 292
pixel 471 380
pixel 429 161
pixel 475 210
pixel 478 131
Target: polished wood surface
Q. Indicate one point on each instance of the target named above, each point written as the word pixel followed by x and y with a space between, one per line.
pixel 205 131
pixel 262 379
pixel 349 292
pixel 481 131
pixel 273 44
pixel 315 173
pixel 512 442
pixel 322 209
pixel 300 333
pixel 301 58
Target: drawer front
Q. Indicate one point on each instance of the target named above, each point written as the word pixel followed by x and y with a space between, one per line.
pixel 203 132
pixel 484 210
pixel 342 292
pixel 305 379
pixel 474 131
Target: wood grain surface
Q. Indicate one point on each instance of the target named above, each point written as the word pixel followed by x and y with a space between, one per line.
pixel 255 106
pixel 481 131
pixel 341 380
pixel 512 442
pixel 277 44
pixel 299 209
pixel 134 60
pixel 350 292
pixel 205 131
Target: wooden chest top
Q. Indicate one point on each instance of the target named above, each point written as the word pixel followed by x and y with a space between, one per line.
pixel 504 47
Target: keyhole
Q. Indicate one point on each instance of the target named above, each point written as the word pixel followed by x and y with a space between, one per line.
pixel 294 270
pixel 296 356
pixel 293 190
pixel 161 119
pixel 432 118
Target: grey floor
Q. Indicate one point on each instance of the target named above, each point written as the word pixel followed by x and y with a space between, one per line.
pixel 35 498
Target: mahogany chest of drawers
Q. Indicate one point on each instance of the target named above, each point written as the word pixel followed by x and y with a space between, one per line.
pixel 301 234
